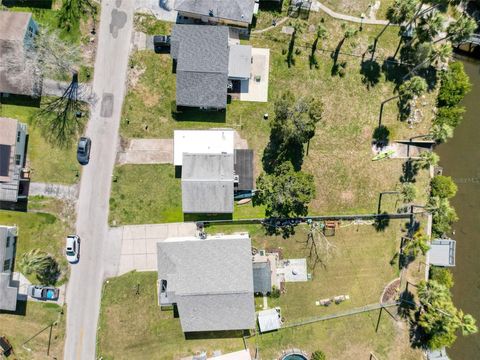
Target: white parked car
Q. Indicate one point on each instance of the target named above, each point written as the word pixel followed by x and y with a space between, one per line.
pixel 72 249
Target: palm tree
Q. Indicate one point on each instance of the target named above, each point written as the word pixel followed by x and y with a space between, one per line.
pixel 427 159
pixel 399 12
pixel 460 30
pixel 416 86
pixel 441 132
pixel 418 244
pixel 440 54
pixel 430 26
pixel 431 293
pixel 321 34
pixel 468 323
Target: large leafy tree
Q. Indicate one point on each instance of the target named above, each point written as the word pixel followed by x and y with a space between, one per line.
pixel 72 11
pixel 455 84
pixel 285 193
pixel 295 120
pixel 443 187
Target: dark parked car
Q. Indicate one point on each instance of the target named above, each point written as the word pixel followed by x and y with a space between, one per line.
pixel 83 150
pixel 161 43
pixel 41 292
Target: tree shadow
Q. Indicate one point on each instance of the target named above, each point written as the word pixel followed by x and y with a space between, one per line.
pixel 276 153
pixel 277 227
pixel 291 49
pixel 381 136
pixel 430 74
pixel 370 69
pixel 335 55
pixel 394 71
pixel 418 337
pixel 409 171
pixel 406 306
pixel 382 221
pixel 312 59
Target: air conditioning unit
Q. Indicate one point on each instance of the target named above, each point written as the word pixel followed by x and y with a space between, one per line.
pixel 236 179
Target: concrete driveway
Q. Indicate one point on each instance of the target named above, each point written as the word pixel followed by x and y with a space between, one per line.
pixel 147 151
pixel 139 244
pixel 256 88
pixel 85 284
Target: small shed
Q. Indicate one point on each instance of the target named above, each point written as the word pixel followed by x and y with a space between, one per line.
pixel 269 320
pixel 442 252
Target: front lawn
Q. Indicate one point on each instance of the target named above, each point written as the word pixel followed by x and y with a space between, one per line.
pixel 30 319
pixel 340 154
pixel 44 227
pixel 49 163
pixel 150 194
pixel 359 267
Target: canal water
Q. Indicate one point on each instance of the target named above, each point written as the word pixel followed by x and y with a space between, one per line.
pixel 460 159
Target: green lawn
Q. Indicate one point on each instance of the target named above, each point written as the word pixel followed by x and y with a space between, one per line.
pixel 132 325
pixel 150 194
pixel 43 227
pixel 48 162
pixel 360 261
pixel 143 194
pixel 30 319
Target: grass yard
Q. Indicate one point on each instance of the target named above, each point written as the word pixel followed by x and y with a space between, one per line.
pixel 43 227
pixel 150 194
pixel 361 260
pixel 31 318
pixel 340 154
pixel 133 327
pixel 48 162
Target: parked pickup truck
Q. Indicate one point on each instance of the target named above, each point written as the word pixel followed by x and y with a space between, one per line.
pixel 41 292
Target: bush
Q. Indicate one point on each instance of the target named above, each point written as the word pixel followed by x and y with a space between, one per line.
pixel 442 276
pixel 275 293
pixel 318 355
pixel 444 215
pixel 443 187
pixel 451 116
pixel 454 85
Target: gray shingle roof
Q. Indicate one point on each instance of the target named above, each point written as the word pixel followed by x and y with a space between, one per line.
pixel 8 290
pixel 237 10
pixel 207 183
pixel 13 25
pixel 202 65
pixel 210 280
pixel 262 278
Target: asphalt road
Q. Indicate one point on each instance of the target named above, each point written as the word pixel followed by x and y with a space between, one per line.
pixel 85 284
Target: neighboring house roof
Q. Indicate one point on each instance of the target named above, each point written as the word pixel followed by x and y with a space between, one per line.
pixel 10 172
pixel 442 252
pixel 269 320
pixel 210 280
pixel 262 277
pixel 236 10
pixel 13 25
pixel 8 290
pixel 201 53
pixel 239 61
pixel 244 169
pixel 16 76
pixel 207 183
pixel 215 141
